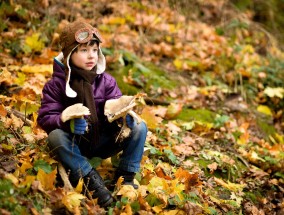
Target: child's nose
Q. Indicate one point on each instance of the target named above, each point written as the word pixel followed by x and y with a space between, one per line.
pixel 92 53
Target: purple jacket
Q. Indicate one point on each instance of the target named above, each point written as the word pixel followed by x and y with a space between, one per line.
pixel 54 99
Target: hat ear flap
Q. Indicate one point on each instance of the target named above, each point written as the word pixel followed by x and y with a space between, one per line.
pixel 101 65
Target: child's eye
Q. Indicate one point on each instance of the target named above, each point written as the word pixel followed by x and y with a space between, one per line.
pixel 95 50
pixel 82 49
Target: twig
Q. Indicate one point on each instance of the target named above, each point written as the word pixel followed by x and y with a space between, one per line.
pixel 20 115
pixel 64 176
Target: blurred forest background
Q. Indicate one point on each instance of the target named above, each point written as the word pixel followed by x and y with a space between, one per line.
pixel 213 72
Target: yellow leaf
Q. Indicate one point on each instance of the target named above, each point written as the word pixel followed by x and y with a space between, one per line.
pixel 12 178
pixel 155 184
pixel 5 76
pixel 157 209
pixel 151 118
pixel 116 21
pixel 25 165
pixel 274 92
pixel 72 200
pixel 79 186
pixel 230 186
pixel 21 79
pixel 264 109
pixel 178 63
pixel 47 68
pixel 129 192
pixel 128 209
pixel 254 156
pixel 279 138
pixel 35 42
pixel 174 212
pixel 237 198
pixel 176 188
pixel 29 180
pixel 47 180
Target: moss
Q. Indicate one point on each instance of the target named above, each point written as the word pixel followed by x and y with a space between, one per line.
pixel 146 76
pixel 202 115
pixel 265 127
pixel 253 196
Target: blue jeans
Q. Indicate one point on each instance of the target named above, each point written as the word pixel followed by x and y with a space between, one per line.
pixel 72 150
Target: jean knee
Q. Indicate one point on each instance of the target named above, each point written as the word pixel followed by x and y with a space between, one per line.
pixel 140 128
pixel 54 138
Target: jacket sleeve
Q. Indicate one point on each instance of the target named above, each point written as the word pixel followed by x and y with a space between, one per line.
pixel 112 89
pixel 51 108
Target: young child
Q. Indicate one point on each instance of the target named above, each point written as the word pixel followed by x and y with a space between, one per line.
pixel 79 77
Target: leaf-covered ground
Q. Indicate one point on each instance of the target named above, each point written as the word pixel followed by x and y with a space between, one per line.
pixel 214 84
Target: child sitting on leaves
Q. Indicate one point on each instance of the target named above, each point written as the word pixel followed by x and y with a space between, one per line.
pixel 79 77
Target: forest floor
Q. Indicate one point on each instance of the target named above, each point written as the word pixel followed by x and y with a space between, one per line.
pixel 214 107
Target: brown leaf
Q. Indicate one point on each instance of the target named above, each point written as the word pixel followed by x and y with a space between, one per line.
pixel 212 167
pixel 173 111
pixel 187 178
pixel 17 122
pixel 3 111
pixel 183 149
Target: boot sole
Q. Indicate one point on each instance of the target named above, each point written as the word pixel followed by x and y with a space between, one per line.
pixel 107 203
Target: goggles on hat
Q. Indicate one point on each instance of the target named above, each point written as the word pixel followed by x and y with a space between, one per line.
pixel 84 35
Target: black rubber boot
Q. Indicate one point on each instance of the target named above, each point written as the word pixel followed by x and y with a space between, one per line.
pixel 128 177
pixel 94 187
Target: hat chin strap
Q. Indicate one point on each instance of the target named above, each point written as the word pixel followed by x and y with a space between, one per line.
pixel 101 66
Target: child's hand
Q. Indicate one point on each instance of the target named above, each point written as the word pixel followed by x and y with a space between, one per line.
pixel 78 125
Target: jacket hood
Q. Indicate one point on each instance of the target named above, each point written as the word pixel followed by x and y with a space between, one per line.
pixel 58 67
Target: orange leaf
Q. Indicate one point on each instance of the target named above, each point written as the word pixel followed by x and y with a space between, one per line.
pixel 151 118
pixel 3 112
pixel 47 180
pixel 28 181
pixel 173 111
pixel 25 165
pixel 187 178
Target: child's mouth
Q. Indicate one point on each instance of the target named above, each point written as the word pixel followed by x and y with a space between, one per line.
pixel 89 64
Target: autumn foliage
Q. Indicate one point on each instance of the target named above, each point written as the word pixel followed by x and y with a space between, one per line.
pixel 214 85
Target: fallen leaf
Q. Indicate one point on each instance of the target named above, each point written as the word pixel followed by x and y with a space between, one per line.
pixel 264 109
pixel 152 120
pixel 47 180
pixel 3 111
pixel 79 186
pixel 72 200
pixel 173 111
pixel 129 192
pixel 40 68
pixel 34 42
pixel 230 186
pixel 213 166
pixel 274 92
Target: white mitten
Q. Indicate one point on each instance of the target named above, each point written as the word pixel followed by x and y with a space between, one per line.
pixel 74 111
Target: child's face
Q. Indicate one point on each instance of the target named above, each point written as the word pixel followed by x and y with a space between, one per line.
pixel 86 57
